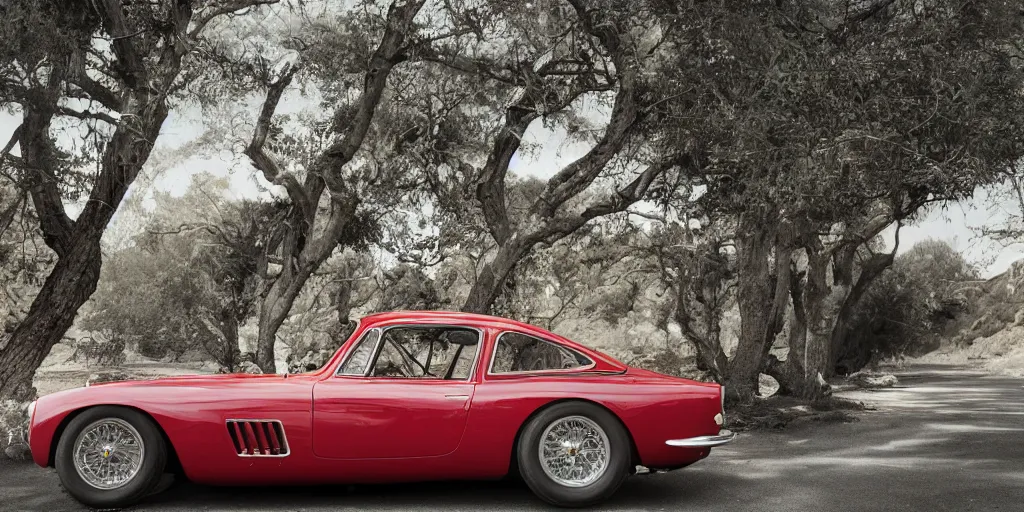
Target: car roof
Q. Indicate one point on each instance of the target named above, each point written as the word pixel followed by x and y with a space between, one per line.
pixel 604 361
pixel 453 316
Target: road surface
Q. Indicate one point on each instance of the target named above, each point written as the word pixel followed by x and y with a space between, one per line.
pixel 944 439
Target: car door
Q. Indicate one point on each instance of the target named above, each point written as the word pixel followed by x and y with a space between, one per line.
pixel 401 392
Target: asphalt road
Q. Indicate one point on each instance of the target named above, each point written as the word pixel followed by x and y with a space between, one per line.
pixel 944 439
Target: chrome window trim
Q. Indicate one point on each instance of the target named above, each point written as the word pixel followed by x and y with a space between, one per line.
pixel 379 345
pixel 351 351
pixel 494 353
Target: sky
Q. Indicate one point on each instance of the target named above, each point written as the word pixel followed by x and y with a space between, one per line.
pixel 550 150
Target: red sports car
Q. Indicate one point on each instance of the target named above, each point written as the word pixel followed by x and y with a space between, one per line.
pixel 410 396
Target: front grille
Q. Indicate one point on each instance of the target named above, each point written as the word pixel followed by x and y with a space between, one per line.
pixel 258 438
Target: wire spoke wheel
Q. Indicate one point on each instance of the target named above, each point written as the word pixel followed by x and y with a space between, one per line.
pixel 574 451
pixel 108 453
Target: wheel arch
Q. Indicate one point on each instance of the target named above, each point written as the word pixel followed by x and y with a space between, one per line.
pixel 513 466
pixel 173 462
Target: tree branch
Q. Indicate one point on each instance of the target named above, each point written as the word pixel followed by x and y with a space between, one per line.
pixel 479 66
pixel 385 57
pixel 871 11
pixel 97 92
pixel 15 138
pixel 99 116
pixel 264 162
pixel 218 8
pixel 490 188
pixel 40 180
pixel 326 170
pixel 130 66
pixel 619 201
pixel 578 175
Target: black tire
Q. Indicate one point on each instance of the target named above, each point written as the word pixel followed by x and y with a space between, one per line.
pixel 154 459
pixel 555 493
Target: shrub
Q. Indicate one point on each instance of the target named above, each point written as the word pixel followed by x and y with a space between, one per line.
pixel 88 350
pixel 907 305
pixel 14 429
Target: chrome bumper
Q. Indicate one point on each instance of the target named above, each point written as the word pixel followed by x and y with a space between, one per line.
pixel 724 436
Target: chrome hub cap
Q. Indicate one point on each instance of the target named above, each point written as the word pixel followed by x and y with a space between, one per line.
pixel 574 451
pixel 108 453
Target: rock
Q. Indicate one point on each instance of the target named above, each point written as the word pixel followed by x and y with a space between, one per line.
pixel 1018 318
pixel 249 367
pixel 18 451
pixel 873 381
pixel 767 385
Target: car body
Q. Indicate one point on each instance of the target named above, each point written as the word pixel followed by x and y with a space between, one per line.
pixel 328 427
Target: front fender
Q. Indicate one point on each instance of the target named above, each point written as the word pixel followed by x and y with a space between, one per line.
pixel 190 412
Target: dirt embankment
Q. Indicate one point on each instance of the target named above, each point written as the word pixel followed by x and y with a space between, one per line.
pixel 989 333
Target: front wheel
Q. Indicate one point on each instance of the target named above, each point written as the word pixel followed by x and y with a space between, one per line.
pixel 110 457
pixel 574 454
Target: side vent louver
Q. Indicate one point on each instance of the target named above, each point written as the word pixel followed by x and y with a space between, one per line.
pixel 258 438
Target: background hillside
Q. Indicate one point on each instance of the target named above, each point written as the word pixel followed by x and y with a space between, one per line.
pixel 989 330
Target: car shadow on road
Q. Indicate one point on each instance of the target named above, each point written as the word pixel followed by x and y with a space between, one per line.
pixel 645 492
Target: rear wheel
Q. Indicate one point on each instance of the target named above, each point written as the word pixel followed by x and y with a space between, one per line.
pixel 574 454
pixel 110 457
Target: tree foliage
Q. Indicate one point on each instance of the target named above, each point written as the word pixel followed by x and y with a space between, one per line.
pixel 819 124
pixel 93 82
pixel 190 284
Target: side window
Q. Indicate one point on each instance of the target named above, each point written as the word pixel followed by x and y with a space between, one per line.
pixel 360 357
pixel 427 352
pixel 517 352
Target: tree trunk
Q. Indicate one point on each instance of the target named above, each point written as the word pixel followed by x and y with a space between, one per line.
pixel 710 356
pixel 789 374
pixel 275 308
pixel 821 308
pixel 711 352
pixel 762 300
pixel 77 244
pixel 232 353
pixel 295 271
pixel 870 270
pixel 705 335
pixel 69 285
pixel 492 278
pixel 273 312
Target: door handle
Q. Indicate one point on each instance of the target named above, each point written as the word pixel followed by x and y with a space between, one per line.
pixel 456 397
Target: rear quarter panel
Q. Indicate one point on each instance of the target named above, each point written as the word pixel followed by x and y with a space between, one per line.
pixel 653 408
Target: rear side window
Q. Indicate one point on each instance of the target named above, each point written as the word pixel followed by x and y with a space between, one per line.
pixel 516 352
